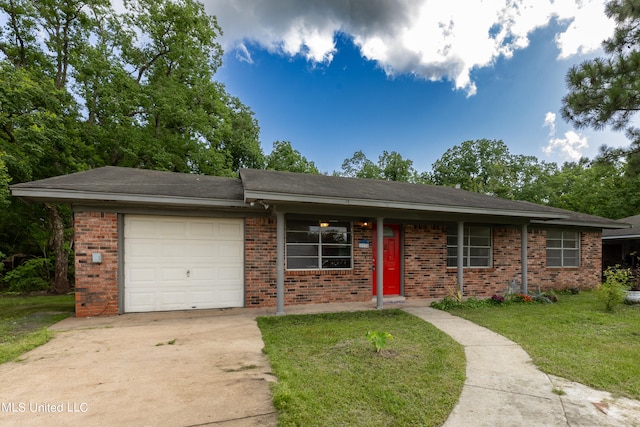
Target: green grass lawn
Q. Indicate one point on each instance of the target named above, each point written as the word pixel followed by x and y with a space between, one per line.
pixel 24 321
pixel 329 373
pixel 573 338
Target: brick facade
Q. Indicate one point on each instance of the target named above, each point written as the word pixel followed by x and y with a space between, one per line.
pixel 425 270
pixel 96 284
pixel 301 287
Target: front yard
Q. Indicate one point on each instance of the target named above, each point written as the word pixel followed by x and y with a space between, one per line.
pixel 330 374
pixel 573 338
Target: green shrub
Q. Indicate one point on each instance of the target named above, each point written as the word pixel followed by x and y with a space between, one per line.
pixel 29 277
pixel 612 291
pixel 447 304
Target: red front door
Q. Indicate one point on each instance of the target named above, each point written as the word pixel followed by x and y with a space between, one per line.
pixel 391 264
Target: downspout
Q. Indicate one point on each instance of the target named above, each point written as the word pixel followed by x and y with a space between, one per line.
pixel 379 262
pixel 460 257
pixel 280 263
pixel 525 257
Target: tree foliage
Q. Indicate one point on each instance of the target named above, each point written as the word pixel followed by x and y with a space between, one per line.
pixel 391 166
pixel 284 157
pixel 596 187
pixel 487 166
pixel 82 86
pixel 606 91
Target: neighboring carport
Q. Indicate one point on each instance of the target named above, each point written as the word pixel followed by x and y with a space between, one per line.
pixel 622 246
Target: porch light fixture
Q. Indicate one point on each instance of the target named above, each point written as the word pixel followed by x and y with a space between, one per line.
pixel 324 224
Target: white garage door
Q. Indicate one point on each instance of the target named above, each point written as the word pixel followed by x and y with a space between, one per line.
pixel 176 263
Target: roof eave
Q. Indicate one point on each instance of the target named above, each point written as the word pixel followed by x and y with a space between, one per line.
pixel 576 223
pixel 70 196
pixel 622 237
pixel 285 197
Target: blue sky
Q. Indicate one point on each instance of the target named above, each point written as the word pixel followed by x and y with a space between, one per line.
pixel 334 80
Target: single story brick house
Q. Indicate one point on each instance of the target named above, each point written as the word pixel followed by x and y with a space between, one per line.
pixel 155 241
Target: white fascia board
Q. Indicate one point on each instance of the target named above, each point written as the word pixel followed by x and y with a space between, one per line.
pixel 279 197
pixel 627 236
pixel 582 224
pixel 70 196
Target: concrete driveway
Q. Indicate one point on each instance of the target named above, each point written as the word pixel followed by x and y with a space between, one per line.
pixel 157 369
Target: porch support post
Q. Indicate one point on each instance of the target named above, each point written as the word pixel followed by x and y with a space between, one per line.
pixel 460 257
pixel 280 263
pixel 525 257
pixel 379 262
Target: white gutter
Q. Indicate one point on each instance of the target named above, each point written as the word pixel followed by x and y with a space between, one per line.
pixel 70 195
pixel 627 236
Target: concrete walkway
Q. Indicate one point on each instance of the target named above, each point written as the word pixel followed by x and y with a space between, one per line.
pixel 504 388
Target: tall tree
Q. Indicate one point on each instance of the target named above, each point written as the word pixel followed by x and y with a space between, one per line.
pixel 284 157
pixel 606 91
pixel 487 166
pixel 597 187
pixel 391 166
pixel 81 86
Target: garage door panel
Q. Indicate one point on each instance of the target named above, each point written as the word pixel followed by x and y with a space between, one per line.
pixel 229 274
pixel 183 263
pixel 145 301
pixel 140 249
pixel 142 275
pixel 231 230
pixel 201 250
pixel 168 275
pixel 140 228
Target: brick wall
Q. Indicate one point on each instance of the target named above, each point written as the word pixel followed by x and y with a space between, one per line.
pixel 425 266
pixel 301 287
pixel 260 262
pixel 588 275
pixel 426 274
pixel 96 284
pixel 425 262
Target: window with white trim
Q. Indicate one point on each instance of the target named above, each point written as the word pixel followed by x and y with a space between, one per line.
pixel 319 245
pixel 477 248
pixel 563 248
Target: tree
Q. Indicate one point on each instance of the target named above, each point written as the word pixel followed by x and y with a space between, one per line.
pixel 284 157
pixel 358 166
pixel 487 166
pixel 597 187
pixel 81 87
pixel 5 179
pixel 391 167
pixel 606 91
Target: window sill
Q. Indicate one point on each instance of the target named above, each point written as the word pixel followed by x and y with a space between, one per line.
pixel 332 272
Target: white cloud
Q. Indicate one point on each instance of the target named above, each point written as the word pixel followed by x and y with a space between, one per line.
pixel 243 54
pixel 434 40
pixel 550 121
pixel 571 147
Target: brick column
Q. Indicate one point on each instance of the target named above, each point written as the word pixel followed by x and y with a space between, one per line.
pixel 96 283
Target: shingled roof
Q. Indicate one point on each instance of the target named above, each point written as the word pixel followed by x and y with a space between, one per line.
pixel 118 184
pixel 626 233
pixel 138 186
pixel 294 187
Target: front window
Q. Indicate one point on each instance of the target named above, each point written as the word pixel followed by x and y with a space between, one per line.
pixel 563 248
pixel 313 245
pixel 477 247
